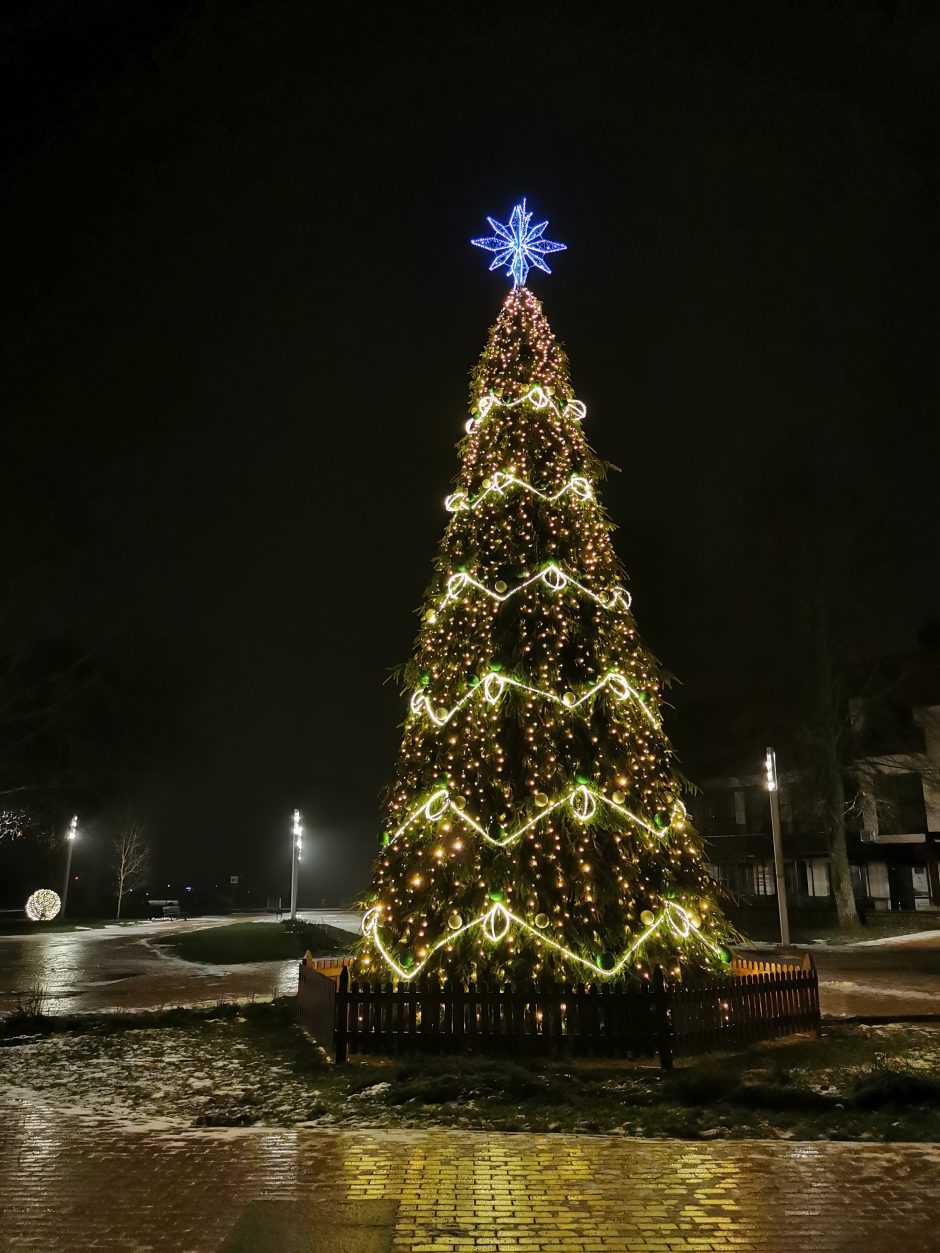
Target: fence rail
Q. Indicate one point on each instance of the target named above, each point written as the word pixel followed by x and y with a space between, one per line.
pixel 756 1002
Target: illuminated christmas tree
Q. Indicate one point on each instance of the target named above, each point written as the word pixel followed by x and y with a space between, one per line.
pixel 535 825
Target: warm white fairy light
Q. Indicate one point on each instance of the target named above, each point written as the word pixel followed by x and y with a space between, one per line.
pixel 515 741
pixel 43 905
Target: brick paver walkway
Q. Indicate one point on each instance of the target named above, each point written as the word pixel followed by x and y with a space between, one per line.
pixel 70 1185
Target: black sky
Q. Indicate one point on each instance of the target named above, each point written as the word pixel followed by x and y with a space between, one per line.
pixel 241 310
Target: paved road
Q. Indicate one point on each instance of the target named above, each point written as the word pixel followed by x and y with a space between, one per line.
pixel 119 967
pixel 900 976
pixel 66 1187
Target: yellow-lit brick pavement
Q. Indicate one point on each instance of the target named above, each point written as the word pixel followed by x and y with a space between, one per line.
pixel 71 1185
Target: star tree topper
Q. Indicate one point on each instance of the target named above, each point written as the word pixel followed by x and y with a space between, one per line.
pixel 518 245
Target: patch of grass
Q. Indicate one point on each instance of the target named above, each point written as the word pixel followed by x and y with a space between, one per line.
pixel 237 942
pixel 443 1080
pixel 884 1086
pixel 853 1083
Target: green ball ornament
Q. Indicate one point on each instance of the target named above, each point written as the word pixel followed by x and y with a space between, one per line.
pixel 386 839
pixel 425 680
pixel 496 895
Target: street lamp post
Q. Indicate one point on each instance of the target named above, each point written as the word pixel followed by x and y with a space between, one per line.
pixel 69 844
pixel 297 835
pixel 770 766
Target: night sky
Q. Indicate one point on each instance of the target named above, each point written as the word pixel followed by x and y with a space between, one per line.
pixel 241 308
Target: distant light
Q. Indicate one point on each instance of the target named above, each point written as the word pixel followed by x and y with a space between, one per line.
pixel 73 828
pixel 770 770
pixel 188 889
pixel 43 905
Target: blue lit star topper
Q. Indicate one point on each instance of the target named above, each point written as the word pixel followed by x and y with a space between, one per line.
pixel 518 245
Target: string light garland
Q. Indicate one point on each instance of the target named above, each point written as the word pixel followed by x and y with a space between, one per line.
pixel 536 397
pixel 494 685
pixel 582 800
pixel 500 482
pixel 534 823
pixel 496 921
pixel 552 575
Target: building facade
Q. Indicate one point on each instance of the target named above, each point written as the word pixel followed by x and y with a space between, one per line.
pixel 892 818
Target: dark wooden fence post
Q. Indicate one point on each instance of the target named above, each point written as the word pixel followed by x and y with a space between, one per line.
pixel 342 1008
pixel 663 1025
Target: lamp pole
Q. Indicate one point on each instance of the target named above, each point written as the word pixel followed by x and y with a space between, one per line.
pixel 297 835
pixel 770 766
pixel 69 844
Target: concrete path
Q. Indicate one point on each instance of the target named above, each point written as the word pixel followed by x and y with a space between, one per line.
pixel 73 1187
pixel 119 968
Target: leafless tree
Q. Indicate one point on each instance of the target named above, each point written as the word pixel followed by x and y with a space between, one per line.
pixel 130 858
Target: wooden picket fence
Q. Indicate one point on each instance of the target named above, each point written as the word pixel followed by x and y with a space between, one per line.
pixel 757 1001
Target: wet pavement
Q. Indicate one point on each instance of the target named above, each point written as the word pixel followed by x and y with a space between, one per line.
pixel 119 967
pixel 67 1185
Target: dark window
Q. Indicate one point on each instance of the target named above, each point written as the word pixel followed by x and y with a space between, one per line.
pixel 716 812
pixel 757 810
pixel 890 728
pixel 900 802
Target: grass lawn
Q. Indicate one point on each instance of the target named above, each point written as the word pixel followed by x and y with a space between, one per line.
pixel 236 942
pixel 854 1083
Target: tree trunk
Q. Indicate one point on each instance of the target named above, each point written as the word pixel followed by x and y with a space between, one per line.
pixel 840 874
pixel 120 896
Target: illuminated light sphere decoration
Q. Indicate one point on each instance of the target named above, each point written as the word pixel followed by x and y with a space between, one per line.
pixel 43 905
pixel 534 827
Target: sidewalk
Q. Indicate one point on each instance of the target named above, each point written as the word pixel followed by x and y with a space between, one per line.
pixel 75 1186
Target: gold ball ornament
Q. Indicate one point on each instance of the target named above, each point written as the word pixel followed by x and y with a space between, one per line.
pixel 647 917
pixel 569 699
pixel 617 797
pixel 455 922
pixel 694 920
pixel 540 799
pixel 500 586
pixel 459 802
pixel 541 920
